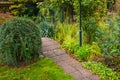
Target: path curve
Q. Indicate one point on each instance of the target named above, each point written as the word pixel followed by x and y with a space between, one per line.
pixel 52 50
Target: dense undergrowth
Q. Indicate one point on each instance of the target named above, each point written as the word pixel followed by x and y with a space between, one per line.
pixel 104 48
pixel 104 72
pixel 67 35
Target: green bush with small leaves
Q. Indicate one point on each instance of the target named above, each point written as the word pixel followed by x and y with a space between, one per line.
pixel 47 29
pixel 83 53
pixel 104 72
pixel 20 41
pixel 70 44
pixel 88 52
pixel 109 41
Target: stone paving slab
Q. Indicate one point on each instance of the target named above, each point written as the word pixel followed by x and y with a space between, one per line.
pixel 52 50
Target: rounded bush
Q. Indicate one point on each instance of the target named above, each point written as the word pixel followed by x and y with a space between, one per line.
pixel 20 41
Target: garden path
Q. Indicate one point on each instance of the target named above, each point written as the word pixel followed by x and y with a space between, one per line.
pixel 52 50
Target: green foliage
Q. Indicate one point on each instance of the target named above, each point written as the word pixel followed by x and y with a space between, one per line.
pixel 17 9
pixel 24 0
pixel 88 52
pixel 64 30
pixel 31 10
pixel 61 33
pixel 83 53
pixel 101 70
pixel 46 10
pixel 90 28
pixel 91 8
pixel 44 69
pixel 109 41
pixel 110 5
pixel 47 29
pixel 56 10
pixel 67 35
pixel 61 10
pixel 70 44
pixel 95 51
pixel 20 41
pixel 110 44
pixel 21 9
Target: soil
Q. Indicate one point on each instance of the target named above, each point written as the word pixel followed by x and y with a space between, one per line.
pixel 5 16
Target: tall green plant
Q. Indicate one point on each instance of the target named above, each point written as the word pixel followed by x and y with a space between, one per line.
pixel 47 29
pixel 20 41
pixel 90 28
pixel 64 30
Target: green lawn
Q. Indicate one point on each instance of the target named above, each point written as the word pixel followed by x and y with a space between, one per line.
pixel 44 69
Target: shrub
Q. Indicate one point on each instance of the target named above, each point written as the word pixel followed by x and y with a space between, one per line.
pixel 104 72
pixel 90 28
pixel 70 44
pixel 20 41
pixel 47 29
pixel 88 52
pixel 91 8
pixel 83 52
pixel 61 32
pixel 95 52
pixel 17 9
pixel 24 9
pixel 66 31
pixel 109 41
pixel 67 35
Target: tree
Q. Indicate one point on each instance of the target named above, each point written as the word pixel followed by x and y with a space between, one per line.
pixel 24 7
pixel 91 8
pixel 59 8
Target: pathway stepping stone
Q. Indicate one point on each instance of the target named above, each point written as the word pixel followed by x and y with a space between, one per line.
pixel 52 50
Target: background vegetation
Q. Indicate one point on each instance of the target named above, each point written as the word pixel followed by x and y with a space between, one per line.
pixel 59 19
